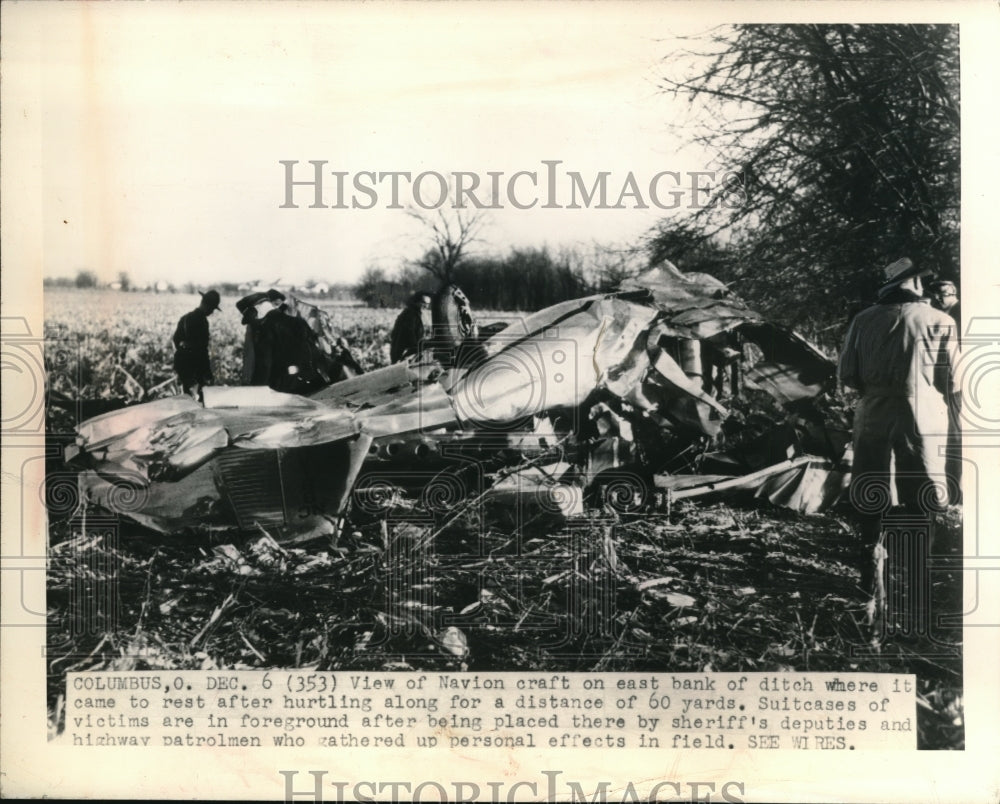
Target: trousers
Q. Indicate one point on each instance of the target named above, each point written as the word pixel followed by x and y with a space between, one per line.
pixel 898 446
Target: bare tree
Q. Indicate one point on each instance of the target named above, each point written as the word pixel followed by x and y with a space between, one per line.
pixel 451 233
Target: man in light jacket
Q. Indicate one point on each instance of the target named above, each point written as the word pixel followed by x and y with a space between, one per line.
pixel 900 354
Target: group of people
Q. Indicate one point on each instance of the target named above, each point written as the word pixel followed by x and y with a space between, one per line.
pixel 285 348
pixel 901 356
pixel 295 351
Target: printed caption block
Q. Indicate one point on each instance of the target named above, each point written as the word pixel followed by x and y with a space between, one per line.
pixel 667 711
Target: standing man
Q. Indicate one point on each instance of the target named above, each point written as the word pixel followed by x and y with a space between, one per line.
pixel 293 352
pixel 408 331
pixel 194 371
pixel 944 296
pixel 900 355
pixel 258 342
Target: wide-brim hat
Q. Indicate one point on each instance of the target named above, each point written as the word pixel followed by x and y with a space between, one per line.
pixel 211 297
pixel 900 271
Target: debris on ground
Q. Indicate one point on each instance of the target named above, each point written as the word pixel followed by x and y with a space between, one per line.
pixel 642 397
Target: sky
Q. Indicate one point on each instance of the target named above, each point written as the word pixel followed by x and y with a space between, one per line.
pixel 164 127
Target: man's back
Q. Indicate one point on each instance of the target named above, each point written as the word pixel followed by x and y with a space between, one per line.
pixel 900 348
pixel 192 331
pixel 407 333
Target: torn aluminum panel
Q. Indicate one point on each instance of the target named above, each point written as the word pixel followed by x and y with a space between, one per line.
pixel 535 494
pixel 807 488
pixel 379 387
pixel 251 457
pixel 807 484
pixel 552 359
pixel 694 305
pixel 160 440
pixel 792 368
pixel 751 481
pixel 287 492
pixel 429 409
pixel 193 501
pixel 95 433
pixel 648 350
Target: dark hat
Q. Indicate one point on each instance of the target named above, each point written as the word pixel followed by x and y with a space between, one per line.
pixel 900 271
pixel 211 298
pixel 275 296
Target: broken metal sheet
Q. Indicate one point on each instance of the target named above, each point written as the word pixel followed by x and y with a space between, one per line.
pixel 675 483
pixel 670 375
pixel 792 368
pixel 430 409
pixel 807 484
pixel 95 432
pixel 252 397
pixel 780 381
pixel 553 359
pixel 293 492
pixel 669 390
pixel 535 494
pixel 627 375
pixel 192 501
pixel 709 322
pixel 808 489
pixel 537 323
pixel 750 481
pixel 304 431
pixel 542 437
pixel 156 449
pixel 695 305
pixel 380 386
pixel 673 288
pixel 250 412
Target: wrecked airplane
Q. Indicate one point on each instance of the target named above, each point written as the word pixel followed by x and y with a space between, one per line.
pixel 618 400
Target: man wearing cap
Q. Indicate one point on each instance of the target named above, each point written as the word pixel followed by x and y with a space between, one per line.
pixel 944 296
pixel 258 341
pixel 900 355
pixel 194 371
pixel 407 338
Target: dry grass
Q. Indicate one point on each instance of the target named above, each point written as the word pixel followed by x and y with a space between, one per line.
pixel 712 587
pixel 715 587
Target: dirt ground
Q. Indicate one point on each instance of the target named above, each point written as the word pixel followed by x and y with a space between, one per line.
pixel 713 586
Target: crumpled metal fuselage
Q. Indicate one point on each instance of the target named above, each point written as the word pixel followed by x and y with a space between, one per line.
pixel 572 375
